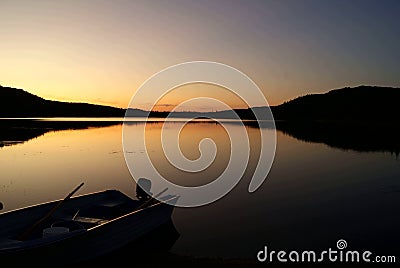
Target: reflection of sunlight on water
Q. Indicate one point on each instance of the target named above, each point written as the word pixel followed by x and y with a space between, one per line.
pixel 189 140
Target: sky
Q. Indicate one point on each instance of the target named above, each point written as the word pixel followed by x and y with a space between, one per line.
pixel 102 51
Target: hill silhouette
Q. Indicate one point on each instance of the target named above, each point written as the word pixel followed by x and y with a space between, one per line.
pixel 362 103
pixel 15 103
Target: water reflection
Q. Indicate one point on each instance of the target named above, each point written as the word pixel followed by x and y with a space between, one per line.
pixel 189 141
pixel 16 131
pixel 362 137
pixel 44 168
pixel 313 196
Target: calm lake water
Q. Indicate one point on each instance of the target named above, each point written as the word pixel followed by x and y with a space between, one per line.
pixel 314 195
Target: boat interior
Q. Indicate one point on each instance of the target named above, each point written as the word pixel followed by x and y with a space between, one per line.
pixel 112 205
pixel 78 213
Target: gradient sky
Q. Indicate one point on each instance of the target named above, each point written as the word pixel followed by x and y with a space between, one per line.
pixel 102 51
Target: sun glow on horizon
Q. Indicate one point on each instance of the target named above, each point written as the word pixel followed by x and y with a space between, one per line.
pixel 187 92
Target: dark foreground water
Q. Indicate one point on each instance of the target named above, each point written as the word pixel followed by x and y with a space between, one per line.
pixel 314 195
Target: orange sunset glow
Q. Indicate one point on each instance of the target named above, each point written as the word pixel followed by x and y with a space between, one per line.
pixel 101 52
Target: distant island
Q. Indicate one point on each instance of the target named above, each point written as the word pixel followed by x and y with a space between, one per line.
pixel 362 103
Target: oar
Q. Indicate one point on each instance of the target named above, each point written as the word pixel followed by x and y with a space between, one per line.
pixel 48 215
pixel 151 199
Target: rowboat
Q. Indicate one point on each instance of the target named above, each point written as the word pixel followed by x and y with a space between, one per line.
pixel 79 229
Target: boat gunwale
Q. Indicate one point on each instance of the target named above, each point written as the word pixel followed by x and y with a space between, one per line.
pixel 56 201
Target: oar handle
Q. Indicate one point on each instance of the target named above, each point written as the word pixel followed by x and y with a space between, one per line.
pixel 74 191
